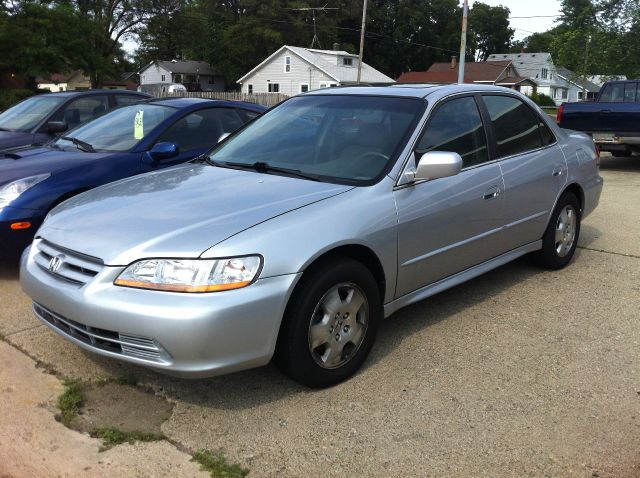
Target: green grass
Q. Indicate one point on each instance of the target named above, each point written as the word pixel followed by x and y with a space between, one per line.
pixel 112 437
pixel 217 466
pixel 71 400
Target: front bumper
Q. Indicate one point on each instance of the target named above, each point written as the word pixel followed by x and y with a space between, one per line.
pixel 13 242
pixel 188 335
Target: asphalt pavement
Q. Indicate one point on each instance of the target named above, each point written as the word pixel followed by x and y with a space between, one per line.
pixel 520 372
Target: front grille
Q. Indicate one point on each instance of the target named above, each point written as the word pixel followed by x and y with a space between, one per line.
pixel 71 266
pixel 124 344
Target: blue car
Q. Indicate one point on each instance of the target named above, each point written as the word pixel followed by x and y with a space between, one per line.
pixel 134 139
pixel 40 118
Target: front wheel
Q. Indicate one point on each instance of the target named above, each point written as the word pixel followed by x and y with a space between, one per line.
pixel 330 323
pixel 561 237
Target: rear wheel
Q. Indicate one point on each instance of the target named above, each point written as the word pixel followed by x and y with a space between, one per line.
pixel 561 237
pixel 330 323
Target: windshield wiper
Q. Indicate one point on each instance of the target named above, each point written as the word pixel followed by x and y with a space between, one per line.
pixel 82 145
pixel 263 167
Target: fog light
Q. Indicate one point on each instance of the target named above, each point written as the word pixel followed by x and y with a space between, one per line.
pixel 16 226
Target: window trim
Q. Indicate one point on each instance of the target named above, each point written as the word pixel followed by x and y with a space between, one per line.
pixel 287 64
pixel 249 88
pixel 300 88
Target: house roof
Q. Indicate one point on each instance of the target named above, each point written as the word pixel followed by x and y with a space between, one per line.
pixel 443 73
pixel 183 67
pixel 527 64
pixel 340 73
pixel 516 80
pixel 580 82
pixel 59 77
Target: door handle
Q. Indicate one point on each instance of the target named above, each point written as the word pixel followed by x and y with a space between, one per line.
pixel 491 193
pixel 557 172
pixel 605 112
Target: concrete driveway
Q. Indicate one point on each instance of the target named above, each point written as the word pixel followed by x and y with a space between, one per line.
pixel 520 372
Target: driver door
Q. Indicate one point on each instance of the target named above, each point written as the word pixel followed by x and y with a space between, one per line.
pixel 448 224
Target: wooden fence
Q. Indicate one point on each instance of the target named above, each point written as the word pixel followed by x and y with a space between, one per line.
pixel 266 99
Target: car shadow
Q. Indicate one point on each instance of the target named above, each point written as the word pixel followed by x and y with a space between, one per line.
pixel 9 270
pixel 628 163
pixel 588 235
pixel 244 390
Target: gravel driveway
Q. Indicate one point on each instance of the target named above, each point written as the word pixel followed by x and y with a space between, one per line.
pixel 520 372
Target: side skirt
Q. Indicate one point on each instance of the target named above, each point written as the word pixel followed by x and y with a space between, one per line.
pixel 459 278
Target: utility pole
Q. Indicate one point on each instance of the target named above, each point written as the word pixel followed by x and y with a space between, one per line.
pixel 364 21
pixel 463 41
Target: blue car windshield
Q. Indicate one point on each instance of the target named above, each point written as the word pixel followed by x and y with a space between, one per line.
pixel 118 131
pixel 338 138
pixel 27 114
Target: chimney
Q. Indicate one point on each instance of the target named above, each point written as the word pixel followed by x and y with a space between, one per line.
pixel 454 59
pixel 336 46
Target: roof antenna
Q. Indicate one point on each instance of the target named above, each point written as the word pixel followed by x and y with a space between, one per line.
pixel 324 8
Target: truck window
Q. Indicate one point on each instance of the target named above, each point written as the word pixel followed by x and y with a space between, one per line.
pixel 612 93
pixel 630 92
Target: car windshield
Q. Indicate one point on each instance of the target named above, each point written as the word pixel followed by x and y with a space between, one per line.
pixel 336 138
pixel 117 131
pixel 28 113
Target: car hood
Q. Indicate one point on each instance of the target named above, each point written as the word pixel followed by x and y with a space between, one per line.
pixel 178 212
pixel 22 162
pixel 12 139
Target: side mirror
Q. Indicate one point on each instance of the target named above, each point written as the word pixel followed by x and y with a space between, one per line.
pixel 162 151
pixel 223 136
pixel 57 126
pixel 436 164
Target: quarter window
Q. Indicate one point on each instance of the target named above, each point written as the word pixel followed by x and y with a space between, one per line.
pixel 630 92
pixel 457 126
pixel 516 127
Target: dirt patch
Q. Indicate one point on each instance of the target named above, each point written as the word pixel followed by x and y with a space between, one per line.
pixel 123 407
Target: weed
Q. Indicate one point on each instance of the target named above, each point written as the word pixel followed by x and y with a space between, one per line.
pixel 216 464
pixel 71 400
pixel 112 437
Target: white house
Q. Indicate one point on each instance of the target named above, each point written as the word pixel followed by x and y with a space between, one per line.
pixel 540 68
pixel 292 70
pixel 578 86
pixel 195 75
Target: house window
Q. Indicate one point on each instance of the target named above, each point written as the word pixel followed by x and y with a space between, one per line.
pixel 324 85
pixel 579 95
pixel 287 64
pixel 163 78
pixel 564 94
pixel 347 61
pixel 304 87
pixel 177 78
pixel 545 72
pixel 211 80
pixel 250 88
pixel 274 87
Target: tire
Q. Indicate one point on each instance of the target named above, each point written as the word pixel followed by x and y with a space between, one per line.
pixel 330 323
pixel 561 237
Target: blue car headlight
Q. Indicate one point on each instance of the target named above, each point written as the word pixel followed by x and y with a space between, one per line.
pixel 10 192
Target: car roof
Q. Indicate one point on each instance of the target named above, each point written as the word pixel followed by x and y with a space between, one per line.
pixel 408 90
pixel 183 102
pixel 70 94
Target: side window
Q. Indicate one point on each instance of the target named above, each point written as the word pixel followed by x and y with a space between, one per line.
pixel 612 93
pixel 630 92
pixel 125 100
pixel 545 133
pixel 84 109
pixel 201 129
pixel 457 126
pixel 516 127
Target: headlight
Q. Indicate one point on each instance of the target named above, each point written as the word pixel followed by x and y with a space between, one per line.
pixel 10 192
pixel 191 275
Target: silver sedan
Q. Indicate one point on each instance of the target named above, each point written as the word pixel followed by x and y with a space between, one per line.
pixel 295 236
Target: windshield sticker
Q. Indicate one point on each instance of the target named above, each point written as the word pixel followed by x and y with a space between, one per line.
pixel 138 125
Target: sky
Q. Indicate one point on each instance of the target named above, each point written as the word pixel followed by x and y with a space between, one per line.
pixel 528 8
pixel 519 8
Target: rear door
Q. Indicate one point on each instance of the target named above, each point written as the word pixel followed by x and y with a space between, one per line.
pixel 449 224
pixel 533 168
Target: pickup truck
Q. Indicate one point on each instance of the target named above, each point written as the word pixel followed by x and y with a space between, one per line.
pixel 613 119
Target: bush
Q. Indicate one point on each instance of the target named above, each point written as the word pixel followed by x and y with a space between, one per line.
pixel 542 100
pixel 8 98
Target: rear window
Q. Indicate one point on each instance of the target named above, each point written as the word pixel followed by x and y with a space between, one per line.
pixel 612 93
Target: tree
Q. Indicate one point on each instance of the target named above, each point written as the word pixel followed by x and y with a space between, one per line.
pixel 489 30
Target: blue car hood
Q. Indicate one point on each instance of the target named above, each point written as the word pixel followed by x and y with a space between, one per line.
pixel 177 212
pixel 22 162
